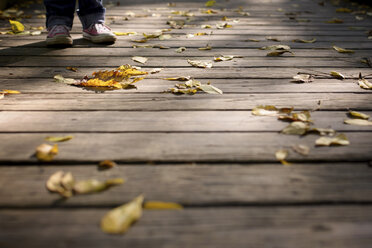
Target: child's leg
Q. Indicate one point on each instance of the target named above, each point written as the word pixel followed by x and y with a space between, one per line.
pixel 59 12
pixel 91 12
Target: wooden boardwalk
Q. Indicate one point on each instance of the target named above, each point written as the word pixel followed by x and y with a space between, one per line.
pixel 206 152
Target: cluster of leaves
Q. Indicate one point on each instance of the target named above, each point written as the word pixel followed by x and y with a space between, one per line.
pixel 191 86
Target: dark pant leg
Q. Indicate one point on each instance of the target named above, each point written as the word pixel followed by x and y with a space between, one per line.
pixel 90 12
pixel 60 12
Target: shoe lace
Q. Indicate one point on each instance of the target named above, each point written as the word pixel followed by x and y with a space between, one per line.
pixel 100 27
pixel 59 29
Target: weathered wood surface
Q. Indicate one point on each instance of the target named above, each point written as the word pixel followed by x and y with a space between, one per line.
pixel 163 121
pixel 153 85
pixel 206 152
pixel 196 184
pixel 180 147
pixel 282 227
pixel 166 101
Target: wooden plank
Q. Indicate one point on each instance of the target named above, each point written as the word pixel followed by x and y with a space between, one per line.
pixel 196 185
pixel 125 52
pixel 182 147
pixel 162 101
pixel 226 85
pixel 289 227
pixel 166 121
pixel 199 42
pixel 245 62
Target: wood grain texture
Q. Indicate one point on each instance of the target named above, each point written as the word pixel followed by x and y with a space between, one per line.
pixel 161 121
pixel 167 101
pixel 196 184
pixel 286 227
pixel 182 147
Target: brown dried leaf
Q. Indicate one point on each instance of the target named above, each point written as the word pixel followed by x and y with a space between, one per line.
pixel 278 53
pixel 74 69
pixel 107 164
pixel 303 116
pixel 303 78
pixel 121 218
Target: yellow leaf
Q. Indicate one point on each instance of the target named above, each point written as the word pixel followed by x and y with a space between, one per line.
pixel 200 34
pixel 206 26
pixel 337 75
pixel 6 92
pixel 340 139
pixel 125 34
pixel 364 84
pixel 58 139
pixel 224 58
pixel 162 205
pixel 207 47
pixel 17 27
pixel 46 153
pixel 121 218
pixel 358 115
pixel 210 3
pixel 209 11
pixel 95 186
pixel 359 122
pixel 342 50
pixel 178 78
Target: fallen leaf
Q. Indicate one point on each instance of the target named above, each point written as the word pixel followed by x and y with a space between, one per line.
pixel 304 41
pixel 296 128
pixel 200 34
pixel 343 10
pixel 340 139
pixel 34 33
pixel 342 50
pixel 210 3
pixel 207 47
pixel 303 116
pixel 210 89
pixel 1 96
pixel 209 11
pixel 141 60
pixel 337 75
pixel 160 46
pixel 200 64
pixel 125 33
pixel 58 138
pixel 223 25
pixel 281 155
pixel 144 40
pixel 157 205
pixel 6 92
pixel 323 131
pixel 61 183
pixel 152 35
pixel 74 69
pixel 17 27
pixel 252 40
pixel 358 115
pixel 270 110
pixel 303 78
pixel 60 79
pixel 276 47
pixel 165 37
pixel 272 38
pixel 178 78
pixel 301 149
pixel 107 164
pixel 335 20
pixel 121 218
pixel 180 49
pixel 223 58
pixel 177 24
pixel 364 84
pixel 206 26
pixel 94 186
pixel 359 122
pixel 45 152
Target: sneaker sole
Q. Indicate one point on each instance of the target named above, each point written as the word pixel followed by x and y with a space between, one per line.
pixel 99 39
pixel 59 40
